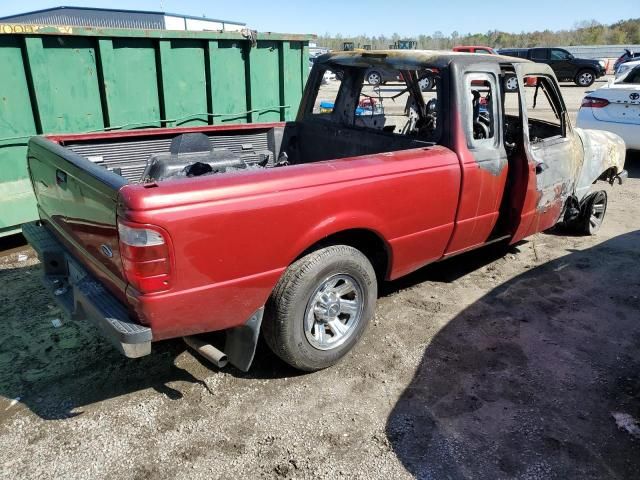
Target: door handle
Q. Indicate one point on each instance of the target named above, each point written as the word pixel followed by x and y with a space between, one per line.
pixel 61 178
pixel 541 167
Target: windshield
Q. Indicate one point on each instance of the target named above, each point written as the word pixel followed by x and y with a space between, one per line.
pixel 632 76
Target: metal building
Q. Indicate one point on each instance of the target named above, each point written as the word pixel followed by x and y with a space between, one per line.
pixel 109 18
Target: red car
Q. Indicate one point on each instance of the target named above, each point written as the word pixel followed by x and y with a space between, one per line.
pixel 474 49
pixel 286 229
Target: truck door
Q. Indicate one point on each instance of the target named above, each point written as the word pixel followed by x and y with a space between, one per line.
pixel 477 138
pixel 552 153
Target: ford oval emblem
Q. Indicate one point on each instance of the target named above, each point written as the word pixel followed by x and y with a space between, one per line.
pixel 106 250
pixel 634 96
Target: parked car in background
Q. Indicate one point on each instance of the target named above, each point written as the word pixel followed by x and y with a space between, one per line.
pixel 623 68
pixel 627 56
pixel 380 76
pixel 474 49
pixel 583 72
pixel 615 108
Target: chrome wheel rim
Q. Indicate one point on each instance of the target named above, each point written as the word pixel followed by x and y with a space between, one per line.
pixel 425 84
pixel 598 209
pixel 512 83
pixel 333 312
pixel 585 79
pixel 374 79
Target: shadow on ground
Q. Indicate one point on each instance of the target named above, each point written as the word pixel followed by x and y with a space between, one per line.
pixel 57 371
pixel 522 383
pixel 53 370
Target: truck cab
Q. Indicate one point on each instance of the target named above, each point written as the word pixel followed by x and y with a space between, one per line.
pixel 517 147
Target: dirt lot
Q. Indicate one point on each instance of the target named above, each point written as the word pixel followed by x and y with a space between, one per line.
pixel 490 365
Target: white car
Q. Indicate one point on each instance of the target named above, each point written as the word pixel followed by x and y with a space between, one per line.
pixel 625 67
pixel 615 108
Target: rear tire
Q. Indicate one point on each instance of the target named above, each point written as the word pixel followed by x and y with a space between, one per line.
pixel 585 78
pixel 333 284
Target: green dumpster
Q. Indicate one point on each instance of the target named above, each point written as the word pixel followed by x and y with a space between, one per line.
pixel 65 79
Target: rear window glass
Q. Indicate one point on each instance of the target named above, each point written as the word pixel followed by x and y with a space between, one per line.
pixel 393 101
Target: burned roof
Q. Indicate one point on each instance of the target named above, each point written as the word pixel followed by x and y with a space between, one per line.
pixel 410 59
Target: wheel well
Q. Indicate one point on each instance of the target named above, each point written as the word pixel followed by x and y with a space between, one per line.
pixel 608 174
pixel 368 242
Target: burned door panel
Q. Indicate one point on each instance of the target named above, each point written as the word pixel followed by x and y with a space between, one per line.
pixel 553 151
pixel 479 143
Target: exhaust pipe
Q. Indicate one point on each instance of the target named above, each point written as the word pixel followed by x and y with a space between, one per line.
pixel 208 351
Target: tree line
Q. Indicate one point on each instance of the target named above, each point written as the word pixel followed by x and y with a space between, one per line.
pixel 583 33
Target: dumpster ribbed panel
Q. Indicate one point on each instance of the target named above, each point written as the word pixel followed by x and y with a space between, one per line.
pixel 131 157
pixel 67 79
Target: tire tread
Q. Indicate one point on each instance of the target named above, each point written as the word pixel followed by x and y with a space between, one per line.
pixel 277 328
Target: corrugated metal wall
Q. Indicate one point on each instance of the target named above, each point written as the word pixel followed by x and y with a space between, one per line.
pixel 79 17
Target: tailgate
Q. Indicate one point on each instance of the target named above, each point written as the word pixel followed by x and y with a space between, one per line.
pixel 77 200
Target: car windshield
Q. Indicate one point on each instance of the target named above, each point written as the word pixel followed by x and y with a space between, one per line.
pixel 632 76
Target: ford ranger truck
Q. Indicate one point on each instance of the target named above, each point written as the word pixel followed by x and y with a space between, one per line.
pixel 285 230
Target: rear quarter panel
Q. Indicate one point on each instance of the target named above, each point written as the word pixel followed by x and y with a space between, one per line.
pixel 234 234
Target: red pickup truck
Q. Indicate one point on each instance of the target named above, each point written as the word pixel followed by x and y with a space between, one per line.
pixel 286 229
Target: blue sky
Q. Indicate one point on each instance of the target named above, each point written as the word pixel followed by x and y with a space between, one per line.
pixel 406 17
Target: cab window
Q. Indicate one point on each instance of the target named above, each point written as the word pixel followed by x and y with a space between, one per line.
pixel 539 54
pixel 559 55
pixel 544 109
pixel 481 108
pixel 328 93
pixel 394 107
pixel 404 102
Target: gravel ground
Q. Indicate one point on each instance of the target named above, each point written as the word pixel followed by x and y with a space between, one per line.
pixel 489 365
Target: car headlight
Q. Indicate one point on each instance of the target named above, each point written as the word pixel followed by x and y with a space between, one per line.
pixel 622 69
pixel 602 63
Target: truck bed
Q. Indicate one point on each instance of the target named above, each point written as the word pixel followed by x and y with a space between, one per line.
pixel 230 236
pixel 129 155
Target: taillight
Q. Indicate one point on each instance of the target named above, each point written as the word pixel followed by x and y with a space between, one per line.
pixel 594 102
pixel 145 256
